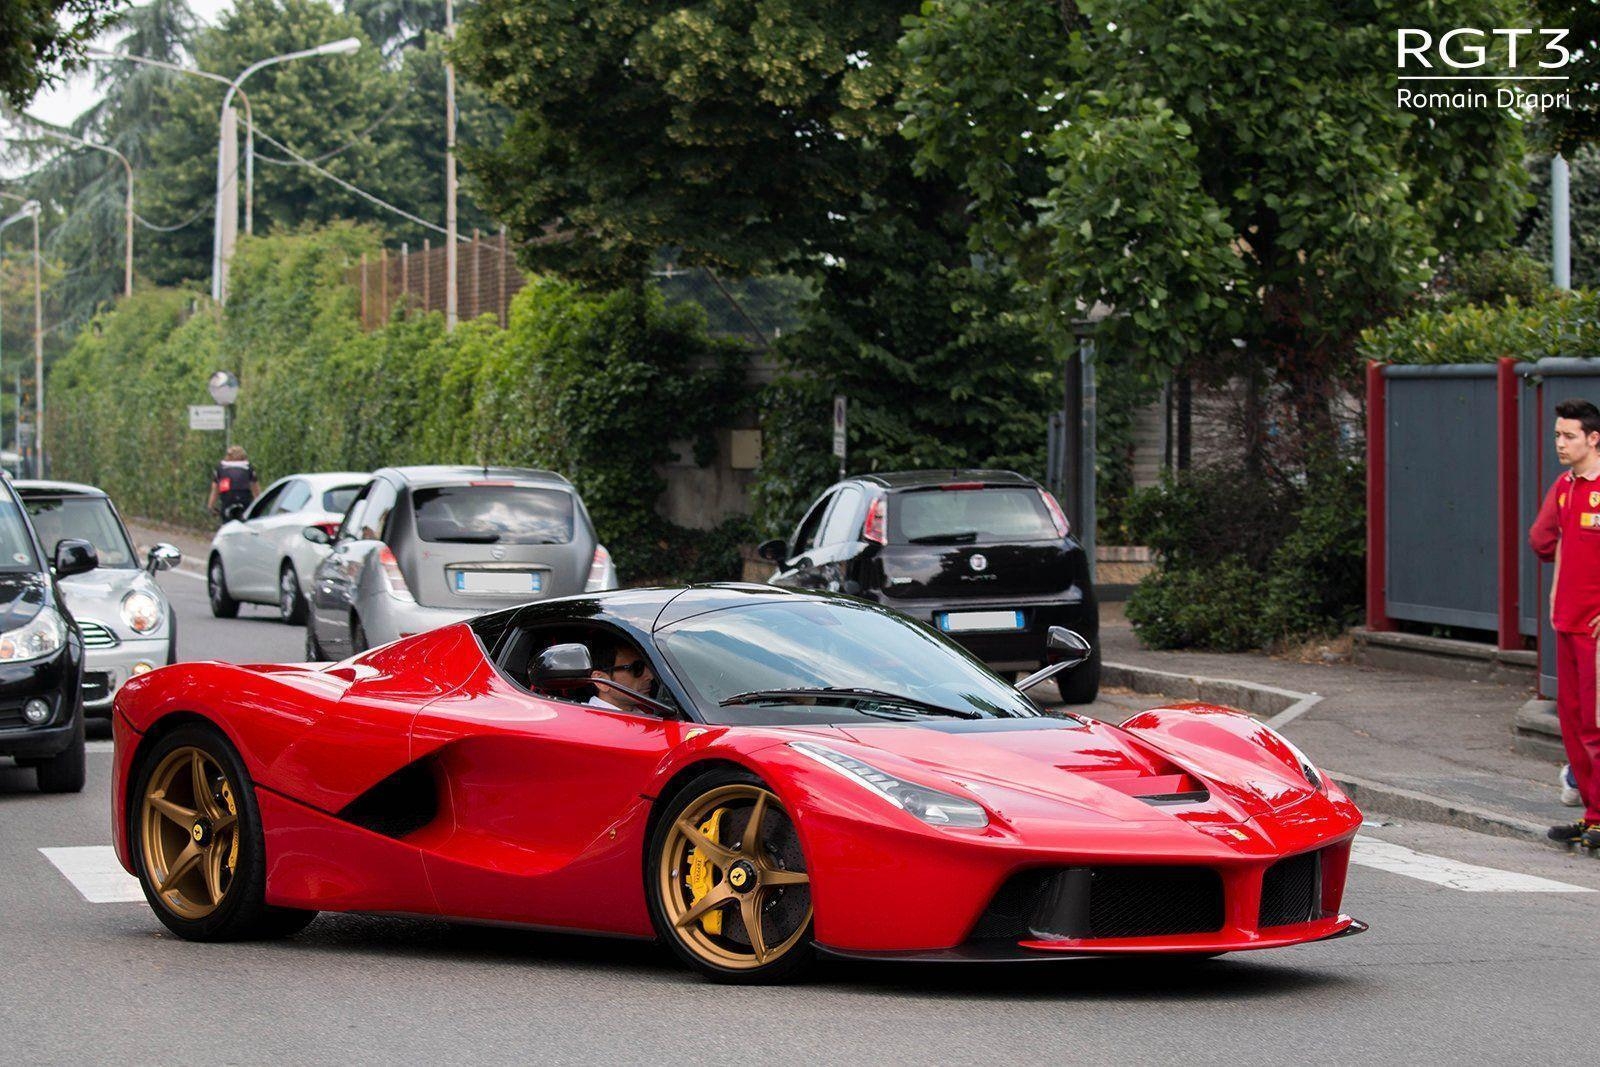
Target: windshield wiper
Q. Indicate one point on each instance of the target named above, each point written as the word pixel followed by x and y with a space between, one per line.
pixel 945 539
pixel 844 692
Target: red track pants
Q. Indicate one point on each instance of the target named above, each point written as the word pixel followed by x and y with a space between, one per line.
pixel 1578 706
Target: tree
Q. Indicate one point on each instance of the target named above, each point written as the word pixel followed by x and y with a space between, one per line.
pixel 726 130
pixel 39 39
pixel 1232 177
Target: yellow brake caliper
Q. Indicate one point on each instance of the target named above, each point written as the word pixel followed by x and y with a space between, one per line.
pixel 701 878
pixel 233 853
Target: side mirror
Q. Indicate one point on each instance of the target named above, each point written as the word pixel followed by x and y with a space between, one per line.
pixel 163 557
pixel 561 665
pixel 74 557
pixel 316 535
pixel 1065 649
pixel 773 551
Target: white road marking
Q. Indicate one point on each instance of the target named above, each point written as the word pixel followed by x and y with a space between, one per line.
pixel 94 871
pixel 99 744
pixel 196 575
pixel 1452 874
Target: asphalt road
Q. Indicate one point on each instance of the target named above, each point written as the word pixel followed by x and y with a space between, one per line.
pixel 1487 965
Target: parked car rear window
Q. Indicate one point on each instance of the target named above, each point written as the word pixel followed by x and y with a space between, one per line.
pixel 493 514
pixel 86 517
pixel 338 500
pixel 965 516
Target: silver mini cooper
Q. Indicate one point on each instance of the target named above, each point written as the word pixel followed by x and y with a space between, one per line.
pixel 128 625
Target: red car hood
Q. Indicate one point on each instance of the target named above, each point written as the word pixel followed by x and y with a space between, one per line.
pixel 1096 767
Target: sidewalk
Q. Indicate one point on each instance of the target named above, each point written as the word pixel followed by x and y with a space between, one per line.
pixel 1411 745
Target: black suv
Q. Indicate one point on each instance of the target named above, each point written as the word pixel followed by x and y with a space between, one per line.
pixel 985 557
pixel 41 651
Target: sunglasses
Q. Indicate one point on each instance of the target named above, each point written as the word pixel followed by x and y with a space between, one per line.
pixel 636 668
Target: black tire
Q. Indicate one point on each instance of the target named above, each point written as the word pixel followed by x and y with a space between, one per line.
pixel 172 637
pixel 788 965
pixel 291 602
pixel 67 771
pixel 358 636
pixel 223 606
pixel 243 913
pixel 1081 684
pixel 314 653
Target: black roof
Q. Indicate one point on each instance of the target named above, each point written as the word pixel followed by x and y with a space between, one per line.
pixel 943 476
pixel 642 610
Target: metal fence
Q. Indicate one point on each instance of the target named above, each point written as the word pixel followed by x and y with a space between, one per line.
pixel 415 281
pixel 1458 461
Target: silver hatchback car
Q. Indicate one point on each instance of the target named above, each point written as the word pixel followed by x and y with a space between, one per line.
pixel 128 626
pixel 423 547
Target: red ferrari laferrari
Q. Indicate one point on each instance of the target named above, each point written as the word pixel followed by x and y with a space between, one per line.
pixel 751 775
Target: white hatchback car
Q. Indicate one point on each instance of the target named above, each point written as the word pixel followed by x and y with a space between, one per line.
pixel 262 558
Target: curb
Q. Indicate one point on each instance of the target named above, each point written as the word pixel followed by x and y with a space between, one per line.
pixel 1279 707
pixel 1405 803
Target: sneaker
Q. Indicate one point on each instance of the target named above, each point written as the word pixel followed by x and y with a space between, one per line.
pixel 1591 836
pixel 1569 788
pixel 1569 833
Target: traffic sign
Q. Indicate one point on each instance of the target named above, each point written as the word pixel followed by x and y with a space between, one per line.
pixel 208 417
pixel 838 432
pixel 224 388
pixel 24 434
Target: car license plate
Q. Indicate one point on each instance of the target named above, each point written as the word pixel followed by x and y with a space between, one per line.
pixel 499 581
pixel 955 622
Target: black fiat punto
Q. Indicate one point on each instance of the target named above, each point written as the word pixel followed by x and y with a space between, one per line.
pixel 41 651
pixel 984 556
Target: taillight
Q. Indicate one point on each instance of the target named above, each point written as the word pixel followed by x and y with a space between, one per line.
pixel 601 574
pixel 876 528
pixel 955 486
pixel 391 574
pixel 1057 516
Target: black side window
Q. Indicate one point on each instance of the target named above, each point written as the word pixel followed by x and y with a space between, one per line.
pixel 352 518
pixel 805 538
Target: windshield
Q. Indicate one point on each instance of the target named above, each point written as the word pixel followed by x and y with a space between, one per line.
pixel 494 514
pixel 16 547
pixel 929 516
pixel 810 644
pixel 88 518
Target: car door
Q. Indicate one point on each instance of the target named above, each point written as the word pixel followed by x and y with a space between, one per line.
pixel 250 577
pixel 798 570
pixel 333 586
pixel 839 539
pixel 546 802
pixel 280 526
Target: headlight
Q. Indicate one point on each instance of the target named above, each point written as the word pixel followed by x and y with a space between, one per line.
pixel 141 611
pixel 929 805
pixel 39 636
pixel 1307 768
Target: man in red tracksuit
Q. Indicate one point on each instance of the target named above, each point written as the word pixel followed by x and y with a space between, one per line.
pixel 1568 532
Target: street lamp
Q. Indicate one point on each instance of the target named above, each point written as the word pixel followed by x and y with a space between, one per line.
pixel 31 210
pixel 249 114
pixel 127 234
pixel 219 252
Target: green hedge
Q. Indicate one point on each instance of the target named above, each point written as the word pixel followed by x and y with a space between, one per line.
pixel 596 386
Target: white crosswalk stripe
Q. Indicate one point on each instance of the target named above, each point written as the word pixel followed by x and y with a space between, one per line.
pixel 94 872
pixel 1452 874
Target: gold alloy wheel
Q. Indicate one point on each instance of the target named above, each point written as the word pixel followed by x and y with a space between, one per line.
pixel 760 877
pixel 189 833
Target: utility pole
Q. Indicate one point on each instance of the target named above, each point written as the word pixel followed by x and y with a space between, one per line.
pixel 449 171
pixel 1560 224
pixel 38 355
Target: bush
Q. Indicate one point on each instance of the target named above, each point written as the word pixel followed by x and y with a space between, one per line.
pixel 1250 561
pixel 600 387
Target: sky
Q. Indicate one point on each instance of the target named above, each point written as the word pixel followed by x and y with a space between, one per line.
pixel 70 99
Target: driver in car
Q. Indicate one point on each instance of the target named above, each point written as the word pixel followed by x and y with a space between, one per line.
pixel 620 662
